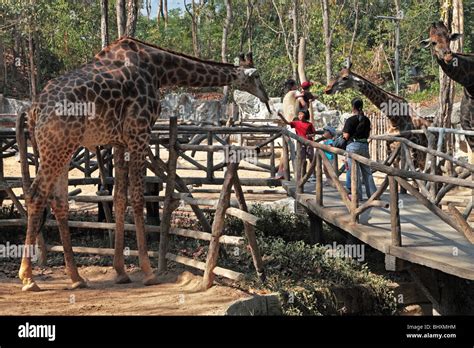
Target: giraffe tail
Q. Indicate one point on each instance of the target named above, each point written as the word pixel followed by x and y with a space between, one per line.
pixel 22 142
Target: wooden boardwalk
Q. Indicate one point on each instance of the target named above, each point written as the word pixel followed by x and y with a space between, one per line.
pixel 426 239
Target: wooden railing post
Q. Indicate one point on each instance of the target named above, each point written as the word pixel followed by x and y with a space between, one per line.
pixel 319 176
pixel 394 212
pixel 210 158
pixel 218 225
pixel 299 168
pixel 354 191
pixel 169 204
pixel 249 230
pixel 286 157
pixel 272 159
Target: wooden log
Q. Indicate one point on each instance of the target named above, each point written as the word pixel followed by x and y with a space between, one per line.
pixel 394 213
pixel 218 225
pixel 354 190
pixel 219 271
pixel 210 158
pixel 182 232
pixel 432 207
pixel 244 216
pixel 286 159
pixel 249 231
pixel 299 169
pixel 169 205
pixel 319 176
pixel 272 159
pixel 307 175
pixel 459 218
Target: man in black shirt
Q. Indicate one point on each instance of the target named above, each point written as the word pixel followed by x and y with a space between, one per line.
pixel 356 131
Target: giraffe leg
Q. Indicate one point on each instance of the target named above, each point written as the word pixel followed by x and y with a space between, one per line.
pixel 36 203
pixel 60 207
pixel 120 202
pixel 137 200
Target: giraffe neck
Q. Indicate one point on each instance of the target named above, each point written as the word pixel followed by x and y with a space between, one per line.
pixel 460 69
pixel 167 68
pixel 395 107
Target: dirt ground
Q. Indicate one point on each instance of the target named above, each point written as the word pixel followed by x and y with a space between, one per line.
pixel 179 294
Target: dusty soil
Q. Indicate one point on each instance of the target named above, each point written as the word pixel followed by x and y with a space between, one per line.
pixel 179 294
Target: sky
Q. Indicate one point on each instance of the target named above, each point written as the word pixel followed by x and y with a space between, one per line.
pixel 171 5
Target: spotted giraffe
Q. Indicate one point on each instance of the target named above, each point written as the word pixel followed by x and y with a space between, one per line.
pixel 114 100
pixel 396 108
pixel 459 67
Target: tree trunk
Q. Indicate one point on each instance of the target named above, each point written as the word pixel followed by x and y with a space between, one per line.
pixel 194 28
pixel 121 19
pixel 225 33
pixel 294 17
pixel 301 59
pixel 159 13
pixel 327 39
pixel 354 32
pixel 165 12
pixel 132 16
pixel 104 17
pixel 31 55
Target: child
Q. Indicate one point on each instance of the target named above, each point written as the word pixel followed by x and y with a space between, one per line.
pixel 329 134
pixel 304 129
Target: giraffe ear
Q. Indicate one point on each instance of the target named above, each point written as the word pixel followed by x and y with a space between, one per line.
pixel 249 57
pixel 455 36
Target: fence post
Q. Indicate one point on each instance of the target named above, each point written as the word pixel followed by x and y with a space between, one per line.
pixel 210 158
pixel 272 159
pixel 299 166
pixel 394 212
pixel 286 157
pixel 319 176
pixel 218 225
pixel 169 204
pixel 354 193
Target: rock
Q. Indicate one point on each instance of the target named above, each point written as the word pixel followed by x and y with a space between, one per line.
pixel 187 108
pixel 257 305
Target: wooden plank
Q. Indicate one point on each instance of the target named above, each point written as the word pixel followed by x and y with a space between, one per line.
pixel 244 216
pixel 219 271
pixel 232 240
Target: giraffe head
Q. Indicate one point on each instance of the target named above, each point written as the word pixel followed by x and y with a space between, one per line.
pixel 344 80
pixel 439 40
pixel 248 79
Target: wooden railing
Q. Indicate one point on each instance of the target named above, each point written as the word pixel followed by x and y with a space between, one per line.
pixel 428 187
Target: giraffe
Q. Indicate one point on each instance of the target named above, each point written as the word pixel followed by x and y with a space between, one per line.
pixel 393 106
pixel 459 67
pixel 120 90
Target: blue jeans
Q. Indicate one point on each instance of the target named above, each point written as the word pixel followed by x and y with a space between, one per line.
pixel 363 150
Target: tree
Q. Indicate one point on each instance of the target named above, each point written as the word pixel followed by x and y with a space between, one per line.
pixel 132 16
pixel 121 19
pixel 225 34
pixel 104 18
pixel 452 15
pixel 194 13
pixel 328 32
